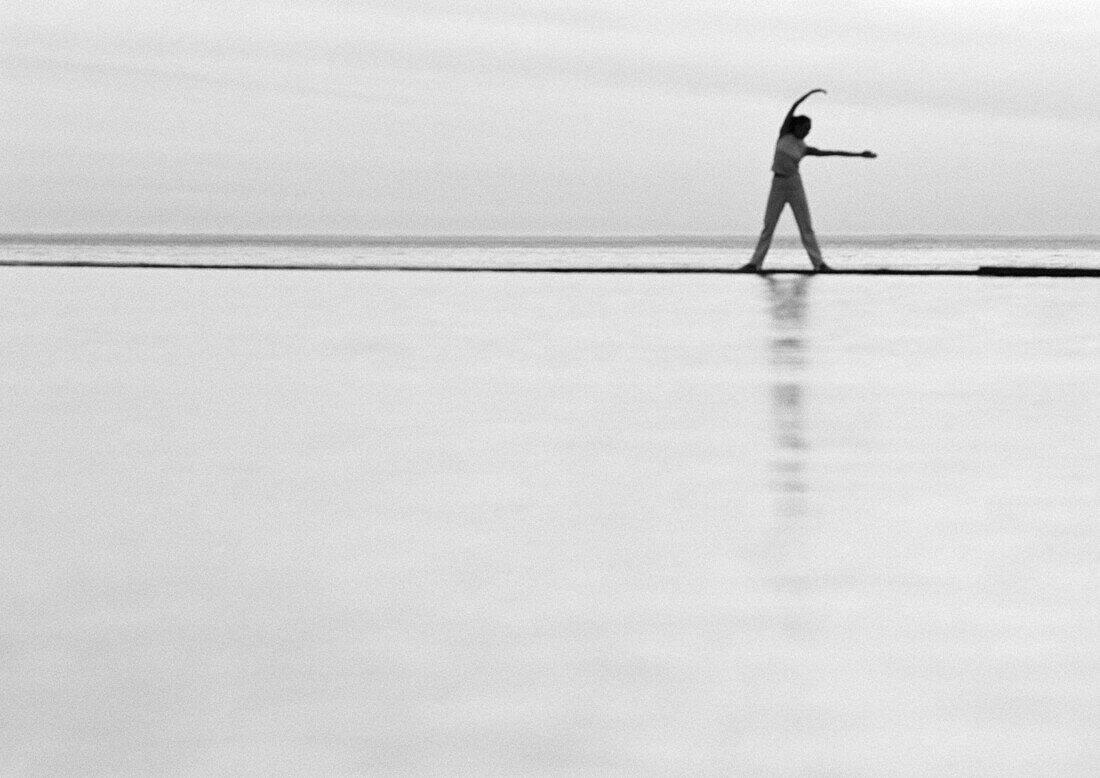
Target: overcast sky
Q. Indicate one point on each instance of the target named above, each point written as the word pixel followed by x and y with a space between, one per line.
pixel 544 116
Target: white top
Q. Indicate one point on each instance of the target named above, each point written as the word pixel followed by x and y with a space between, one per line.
pixel 789 150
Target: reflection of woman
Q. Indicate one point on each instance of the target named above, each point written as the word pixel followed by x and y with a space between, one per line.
pixel 787 185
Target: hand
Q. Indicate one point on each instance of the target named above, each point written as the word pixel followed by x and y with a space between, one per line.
pixel 869 154
pixel 798 102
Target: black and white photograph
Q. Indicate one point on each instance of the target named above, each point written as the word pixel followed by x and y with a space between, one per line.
pixel 549 388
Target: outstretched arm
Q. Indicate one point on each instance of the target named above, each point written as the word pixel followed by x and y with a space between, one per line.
pixel 786 126
pixel 812 152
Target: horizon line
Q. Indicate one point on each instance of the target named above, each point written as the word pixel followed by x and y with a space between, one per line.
pixel 497 238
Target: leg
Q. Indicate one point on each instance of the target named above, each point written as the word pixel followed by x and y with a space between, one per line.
pixel 777 198
pixel 801 210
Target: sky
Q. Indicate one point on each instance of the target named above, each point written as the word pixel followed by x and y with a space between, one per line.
pixel 544 117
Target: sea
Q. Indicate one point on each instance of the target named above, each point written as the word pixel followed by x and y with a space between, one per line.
pixel 266 522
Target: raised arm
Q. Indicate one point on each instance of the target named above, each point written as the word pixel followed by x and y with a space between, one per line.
pixel 785 127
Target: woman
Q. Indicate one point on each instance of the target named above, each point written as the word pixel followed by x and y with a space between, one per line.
pixel 787 186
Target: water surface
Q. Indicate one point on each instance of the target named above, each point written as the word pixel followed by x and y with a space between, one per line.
pixel 262 523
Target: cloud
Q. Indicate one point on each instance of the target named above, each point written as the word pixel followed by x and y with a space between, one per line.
pixel 524 114
pixel 1036 60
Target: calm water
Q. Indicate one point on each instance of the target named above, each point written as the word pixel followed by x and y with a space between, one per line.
pixel 436 524
pixel 850 252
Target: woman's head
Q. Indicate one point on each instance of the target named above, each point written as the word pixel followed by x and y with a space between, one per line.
pixel 800 126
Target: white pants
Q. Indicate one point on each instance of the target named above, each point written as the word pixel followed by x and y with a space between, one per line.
pixel 787 190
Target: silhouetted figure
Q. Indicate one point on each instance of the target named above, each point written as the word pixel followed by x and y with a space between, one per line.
pixel 787 185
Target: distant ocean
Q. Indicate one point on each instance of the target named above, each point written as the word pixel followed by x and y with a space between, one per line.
pixel 933 252
pixel 270 523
